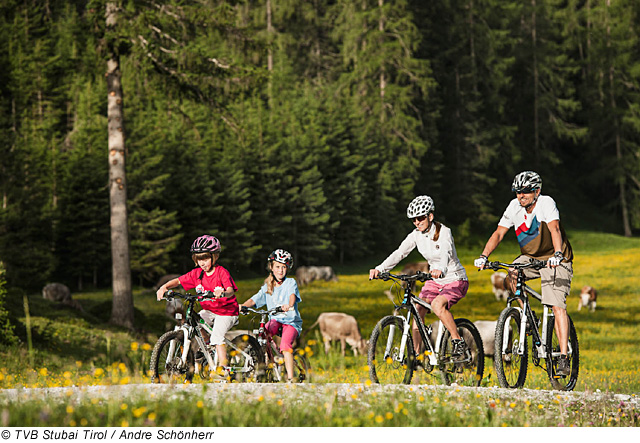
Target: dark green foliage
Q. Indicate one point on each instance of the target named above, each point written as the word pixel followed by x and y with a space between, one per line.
pixel 7 336
pixel 309 126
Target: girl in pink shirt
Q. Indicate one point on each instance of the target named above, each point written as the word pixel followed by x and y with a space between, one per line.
pixel 221 311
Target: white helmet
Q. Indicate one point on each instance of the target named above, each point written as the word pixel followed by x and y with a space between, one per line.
pixel 421 205
pixel 527 181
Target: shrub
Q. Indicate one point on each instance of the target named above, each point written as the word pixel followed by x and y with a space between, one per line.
pixel 7 335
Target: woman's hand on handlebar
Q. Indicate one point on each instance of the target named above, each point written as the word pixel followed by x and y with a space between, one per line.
pixel 373 274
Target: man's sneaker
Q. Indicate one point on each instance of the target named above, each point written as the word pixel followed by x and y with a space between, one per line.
pixel 459 347
pixel 563 365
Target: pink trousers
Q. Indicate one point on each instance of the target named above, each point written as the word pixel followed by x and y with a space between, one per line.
pixel 289 334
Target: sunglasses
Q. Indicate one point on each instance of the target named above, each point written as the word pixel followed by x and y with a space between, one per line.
pixel 524 191
pixel 419 219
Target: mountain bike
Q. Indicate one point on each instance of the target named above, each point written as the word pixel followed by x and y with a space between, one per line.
pixel 516 323
pixel 180 354
pixel 271 367
pixel 392 358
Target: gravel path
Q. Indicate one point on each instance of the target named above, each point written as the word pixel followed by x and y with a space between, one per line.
pixel 213 391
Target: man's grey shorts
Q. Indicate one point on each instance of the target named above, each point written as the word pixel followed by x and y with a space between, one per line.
pixel 555 282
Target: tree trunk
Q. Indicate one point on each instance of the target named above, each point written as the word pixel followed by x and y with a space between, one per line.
pixel 536 84
pixel 626 226
pixel 122 311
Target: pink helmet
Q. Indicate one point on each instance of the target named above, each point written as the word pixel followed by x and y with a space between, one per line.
pixel 205 243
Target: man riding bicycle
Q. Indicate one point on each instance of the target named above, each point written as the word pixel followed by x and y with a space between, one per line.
pixel 540 235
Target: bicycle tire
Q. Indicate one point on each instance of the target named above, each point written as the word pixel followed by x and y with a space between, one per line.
pixel 563 383
pixel 163 367
pixel 466 371
pixel 301 367
pixel 511 368
pixel 244 368
pixel 386 365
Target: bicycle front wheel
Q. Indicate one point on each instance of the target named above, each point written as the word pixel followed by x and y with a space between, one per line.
pixel 301 367
pixel 390 362
pixel 245 358
pixel 563 382
pixel 510 365
pixel 166 360
pixel 467 369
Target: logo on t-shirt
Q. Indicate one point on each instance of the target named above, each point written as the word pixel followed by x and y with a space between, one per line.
pixel 525 235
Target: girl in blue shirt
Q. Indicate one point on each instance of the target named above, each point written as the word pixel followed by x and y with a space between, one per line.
pixel 278 290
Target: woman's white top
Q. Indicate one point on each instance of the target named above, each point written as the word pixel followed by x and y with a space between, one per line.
pixel 440 254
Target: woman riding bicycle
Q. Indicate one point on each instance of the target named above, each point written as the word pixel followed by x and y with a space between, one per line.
pixel 278 290
pixel 435 242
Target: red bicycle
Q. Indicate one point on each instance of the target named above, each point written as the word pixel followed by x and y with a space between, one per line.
pixel 272 369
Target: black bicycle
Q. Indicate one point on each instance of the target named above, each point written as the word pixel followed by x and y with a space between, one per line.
pixel 516 323
pixel 392 358
pixel 180 354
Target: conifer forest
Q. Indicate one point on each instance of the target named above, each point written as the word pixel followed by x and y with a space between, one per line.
pixel 131 127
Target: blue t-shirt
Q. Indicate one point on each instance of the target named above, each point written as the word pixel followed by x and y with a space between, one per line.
pixel 280 297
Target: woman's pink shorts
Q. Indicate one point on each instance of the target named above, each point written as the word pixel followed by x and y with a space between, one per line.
pixel 289 334
pixel 453 292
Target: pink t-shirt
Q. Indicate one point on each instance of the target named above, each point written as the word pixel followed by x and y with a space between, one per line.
pixel 225 306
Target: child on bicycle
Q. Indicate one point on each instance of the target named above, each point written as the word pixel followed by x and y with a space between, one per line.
pixel 222 311
pixel 280 290
pixel 435 242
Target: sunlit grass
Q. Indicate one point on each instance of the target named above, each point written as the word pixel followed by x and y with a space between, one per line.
pixel 82 352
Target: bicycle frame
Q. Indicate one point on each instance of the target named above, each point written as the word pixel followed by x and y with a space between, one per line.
pixel 191 328
pixel 265 339
pixel 409 303
pixel 528 317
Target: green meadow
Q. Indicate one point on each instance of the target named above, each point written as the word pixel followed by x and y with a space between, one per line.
pixel 61 347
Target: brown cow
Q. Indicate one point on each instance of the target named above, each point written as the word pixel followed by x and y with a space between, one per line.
pixel 497 285
pixel 588 298
pixel 57 292
pixel 343 327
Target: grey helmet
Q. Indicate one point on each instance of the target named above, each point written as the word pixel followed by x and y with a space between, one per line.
pixel 421 205
pixel 527 181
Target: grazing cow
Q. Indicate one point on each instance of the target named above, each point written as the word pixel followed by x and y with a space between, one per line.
pixel 173 307
pixel 412 268
pixel 487 330
pixel 165 278
pixel 343 327
pixel 307 274
pixel 57 292
pixel 588 298
pixel 497 283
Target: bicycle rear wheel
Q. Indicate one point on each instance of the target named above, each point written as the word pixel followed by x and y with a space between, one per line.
pixel 510 366
pixel 389 362
pixel 244 367
pixel 166 364
pixel 562 382
pixel 466 370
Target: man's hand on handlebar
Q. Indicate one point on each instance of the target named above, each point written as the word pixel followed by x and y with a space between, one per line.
pixel 373 274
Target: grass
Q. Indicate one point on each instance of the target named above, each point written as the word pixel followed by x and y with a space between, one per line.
pixel 81 349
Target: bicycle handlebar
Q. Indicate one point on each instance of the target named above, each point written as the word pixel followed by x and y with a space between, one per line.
pixel 533 263
pixel 275 310
pixel 419 275
pixel 171 294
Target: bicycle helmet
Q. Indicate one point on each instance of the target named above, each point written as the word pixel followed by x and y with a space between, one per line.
pixel 527 181
pixel 421 205
pixel 281 256
pixel 205 243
